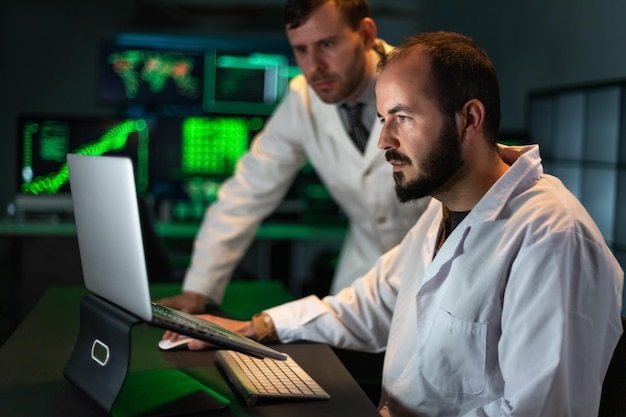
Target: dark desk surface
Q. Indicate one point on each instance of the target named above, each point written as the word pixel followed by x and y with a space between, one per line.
pixel 33 358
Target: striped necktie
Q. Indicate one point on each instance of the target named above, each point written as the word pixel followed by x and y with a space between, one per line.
pixel 357 131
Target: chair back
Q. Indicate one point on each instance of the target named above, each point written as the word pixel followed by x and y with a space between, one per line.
pixel 613 401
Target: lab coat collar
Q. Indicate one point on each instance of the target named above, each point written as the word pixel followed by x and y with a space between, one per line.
pixel 525 170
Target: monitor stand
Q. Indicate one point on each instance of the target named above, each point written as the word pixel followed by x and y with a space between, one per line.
pixel 99 366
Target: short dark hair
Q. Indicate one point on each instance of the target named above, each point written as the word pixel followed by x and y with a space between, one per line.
pixel 353 11
pixel 460 71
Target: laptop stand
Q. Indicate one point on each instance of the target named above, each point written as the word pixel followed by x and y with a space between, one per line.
pixel 99 366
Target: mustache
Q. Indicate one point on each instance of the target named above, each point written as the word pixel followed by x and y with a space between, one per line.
pixel 320 77
pixel 393 155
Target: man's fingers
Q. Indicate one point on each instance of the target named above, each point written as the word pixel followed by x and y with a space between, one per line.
pixel 170 335
pixel 197 345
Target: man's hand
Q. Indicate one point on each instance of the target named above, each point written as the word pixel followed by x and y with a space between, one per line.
pixel 188 302
pixel 243 328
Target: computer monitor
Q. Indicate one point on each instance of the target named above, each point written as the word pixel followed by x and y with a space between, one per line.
pixel 44 140
pixel 149 75
pixel 245 82
pixel 192 155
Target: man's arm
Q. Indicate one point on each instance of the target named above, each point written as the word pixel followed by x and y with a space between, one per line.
pixel 358 317
pixel 188 301
pixel 262 178
pixel 347 319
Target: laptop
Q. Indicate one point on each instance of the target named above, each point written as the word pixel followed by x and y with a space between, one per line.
pixel 108 228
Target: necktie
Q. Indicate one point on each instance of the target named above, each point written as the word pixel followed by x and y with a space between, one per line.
pixel 357 131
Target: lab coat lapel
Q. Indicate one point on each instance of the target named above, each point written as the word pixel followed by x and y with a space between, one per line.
pixel 440 265
pixel 372 153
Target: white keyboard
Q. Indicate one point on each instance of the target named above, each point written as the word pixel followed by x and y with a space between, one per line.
pixel 254 378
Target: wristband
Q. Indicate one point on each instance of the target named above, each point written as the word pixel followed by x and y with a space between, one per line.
pixel 264 328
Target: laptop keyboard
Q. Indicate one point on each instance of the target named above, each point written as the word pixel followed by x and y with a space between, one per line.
pixel 177 319
pixel 167 315
pixel 255 378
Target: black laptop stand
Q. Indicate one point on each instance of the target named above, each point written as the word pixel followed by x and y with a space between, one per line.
pixel 99 366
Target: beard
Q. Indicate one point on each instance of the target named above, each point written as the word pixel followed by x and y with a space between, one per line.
pixel 348 81
pixel 438 167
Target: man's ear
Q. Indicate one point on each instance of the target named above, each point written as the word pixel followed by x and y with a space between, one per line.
pixel 473 117
pixel 369 32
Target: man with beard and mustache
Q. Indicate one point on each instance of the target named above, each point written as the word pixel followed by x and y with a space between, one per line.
pixel 336 47
pixel 503 299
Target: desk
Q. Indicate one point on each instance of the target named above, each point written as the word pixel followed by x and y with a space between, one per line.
pixel 33 358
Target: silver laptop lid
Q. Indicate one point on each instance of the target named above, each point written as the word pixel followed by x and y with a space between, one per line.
pixel 109 231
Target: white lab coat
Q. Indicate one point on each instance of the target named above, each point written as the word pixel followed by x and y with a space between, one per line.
pixel 517 315
pixel 302 128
